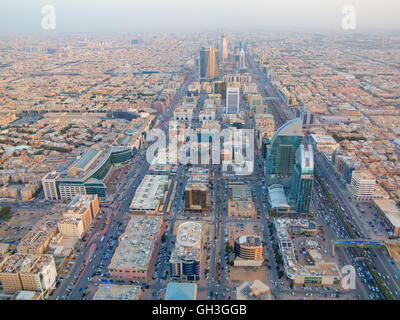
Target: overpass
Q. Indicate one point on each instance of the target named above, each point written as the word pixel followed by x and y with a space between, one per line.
pixel 363 243
pixel 271 99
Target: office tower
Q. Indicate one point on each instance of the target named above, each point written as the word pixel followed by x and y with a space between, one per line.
pixel 362 185
pixel 242 64
pixel 196 196
pixel 50 186
pixel 255 101
pixel 186 256
pixel 282 150
pixel 344 164
pixel 197 68
pixel 306 116
pixel 224 48
pixel 302 178
pixel 232 100
pixel 248 247
pixel 262 60
pixel 208 62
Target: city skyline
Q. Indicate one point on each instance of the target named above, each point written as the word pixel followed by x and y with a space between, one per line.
pixel 240 161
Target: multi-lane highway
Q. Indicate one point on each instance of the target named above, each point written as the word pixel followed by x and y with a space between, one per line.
pixel 95 255
pixel 381 262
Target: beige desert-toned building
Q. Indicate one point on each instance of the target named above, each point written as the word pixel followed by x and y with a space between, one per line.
pixel 248 251
pixel 24 271
pixel 241 209
pixel 149 196
pixel 118 292
pixel 37 240
pixel 71 227
pixel 79 214
pixel 253 290
pixel 135 253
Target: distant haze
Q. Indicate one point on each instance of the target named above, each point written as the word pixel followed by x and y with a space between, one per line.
pixel 187 15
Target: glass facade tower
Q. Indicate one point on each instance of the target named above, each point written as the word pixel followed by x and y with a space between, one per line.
pixel 282 150
pixel 302 178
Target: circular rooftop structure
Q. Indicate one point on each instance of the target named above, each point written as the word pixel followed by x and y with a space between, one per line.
pixel 189 234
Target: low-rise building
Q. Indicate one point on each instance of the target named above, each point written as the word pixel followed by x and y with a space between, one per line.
pixel 37 240
pixel 241 209
pixel 253 290
pixel 149 196
pixel 390 213
pixel 118 292
pixel 181 291
pixel 136 250
pixel 320 272
pixel 25 271
pixel 248 251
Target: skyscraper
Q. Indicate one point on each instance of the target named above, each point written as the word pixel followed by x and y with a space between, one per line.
pixel 302 178
pixel 232 100
pixel 306 116
pixel 242 64
pixel 282 150
pixel 208 62
pixel 262 60
pixel 224 47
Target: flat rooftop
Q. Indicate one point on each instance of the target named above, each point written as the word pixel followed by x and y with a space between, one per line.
pixel 117 292
pixel 287 247
pixel 26 263
pixel 150 192
pixel 188 242
pixel 136 244
pixel 240 191
pixel 43 229
pixel 80 203
pixel 389 208
pixel 249 240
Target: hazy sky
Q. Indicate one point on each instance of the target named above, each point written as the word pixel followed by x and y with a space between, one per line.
pixel 176 15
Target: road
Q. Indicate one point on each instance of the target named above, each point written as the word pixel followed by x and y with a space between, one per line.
pixel 87 262
pixel 381 261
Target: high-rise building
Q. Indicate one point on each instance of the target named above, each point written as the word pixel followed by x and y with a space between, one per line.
pixel 50 186
pixel 186 256
pixel 262 60
pixel 242 64
pixel 232 100
pixel 345 164
pixel 196 196
pixel 302 178
pixel 255 101
pixel 224 47
pixel 282 150
pixel 209 61
pixel 306 116
pixel 197 68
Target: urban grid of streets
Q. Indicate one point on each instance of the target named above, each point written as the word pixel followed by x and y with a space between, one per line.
pixel 97 252
pixel 93 256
